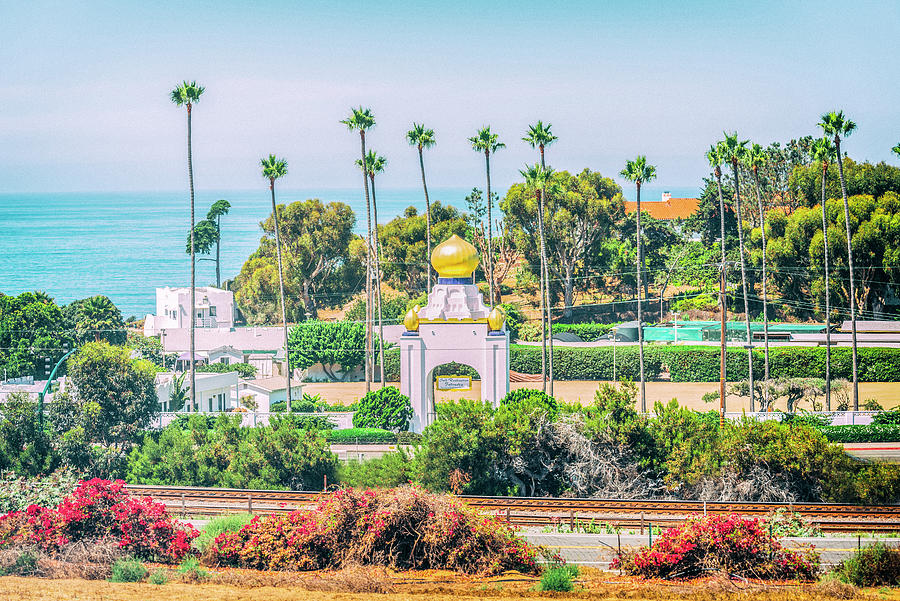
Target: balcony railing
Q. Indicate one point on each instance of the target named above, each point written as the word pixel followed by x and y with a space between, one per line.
pixel 206 322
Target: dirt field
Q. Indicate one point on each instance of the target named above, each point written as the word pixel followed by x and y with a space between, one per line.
pixel 418 586
pixel 689 394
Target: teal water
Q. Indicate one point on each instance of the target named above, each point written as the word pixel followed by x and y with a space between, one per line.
pixel 125 245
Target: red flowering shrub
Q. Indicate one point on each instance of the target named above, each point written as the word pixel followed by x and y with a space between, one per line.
pixel 732 544
pixel 101 509
pixel 403 528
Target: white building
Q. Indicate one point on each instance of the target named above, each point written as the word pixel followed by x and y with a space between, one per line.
pixel 215 392
pixel 213 308
pixel 263 392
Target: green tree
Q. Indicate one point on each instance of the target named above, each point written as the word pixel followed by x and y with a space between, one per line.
pixel 639 172
pixel 331 343
pixel 823 153
pixel 861 179
pixel 489 143
pixel 755 159
pixel 404 240
pixel 33 331
pixel 98 316
pixel 362 120
pixel 422 138
pixel 188 94
pixel 273 169
pixel 896 149
pixel 25 448
pixel 386 408
pixel 536 178
pixel 316 243
pixel 835 124
pixel 374 165
pixel 208 233
pixel 734 150
pixel 540 136
pixel 115 396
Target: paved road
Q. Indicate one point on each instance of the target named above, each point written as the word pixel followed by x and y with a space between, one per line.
pixel 599 549
pixel 888 452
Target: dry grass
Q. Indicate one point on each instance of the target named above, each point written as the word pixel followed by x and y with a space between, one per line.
pixel 429 585
pixel 88 559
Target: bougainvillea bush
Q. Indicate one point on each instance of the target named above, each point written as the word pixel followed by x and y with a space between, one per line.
pixel 402 528
pixel 717 543
pixel 100 509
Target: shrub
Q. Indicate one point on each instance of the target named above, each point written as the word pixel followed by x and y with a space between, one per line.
pixel 16 494
pixel 402 528
pixel 159 577
pixel 99 509
pixel 386 408
pixel 586 331
pixel 731 544
pixel 128 570
pixel 557 579
pixel 528 399
pixel 590 363
pixel 244 370
pixel 388 471
pixel 218 525
pixel 24 564
pixel 875 565
pixel 887 417
pixel 862 433
pixel 190 570
pixel 514 318
pixel 361 436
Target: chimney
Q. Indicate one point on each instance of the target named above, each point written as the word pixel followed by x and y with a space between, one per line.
pixel 666 197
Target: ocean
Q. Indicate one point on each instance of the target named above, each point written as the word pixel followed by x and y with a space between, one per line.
pixel 125 245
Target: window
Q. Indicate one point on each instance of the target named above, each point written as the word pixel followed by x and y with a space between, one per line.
pixel 212 311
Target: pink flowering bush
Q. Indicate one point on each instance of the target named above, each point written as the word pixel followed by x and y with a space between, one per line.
pixel 101 509
pixel 716 543
pixel 403 528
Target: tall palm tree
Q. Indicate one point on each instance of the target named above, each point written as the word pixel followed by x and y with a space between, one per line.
pixel 99 316
pixel 218 208
pixel 537 178
pixel 188 94
pixel 488 143
pixel 715 161
pixel 540 136
pixel 734 150
pixel 837 125
pixel 422 138
pixel 361 120
pixel 639 172
pixel 274 168
pixel 374 165
pixel 754 159
pixel 823 152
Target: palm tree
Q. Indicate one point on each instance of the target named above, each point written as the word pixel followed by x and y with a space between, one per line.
pixel 361 120
pixel 178 395
pixel 537 177
pixel 734 150
pixel 274 168
pixel 98 315
pixel 187 94
pixel 823 152
pixel 540 136
pixel 488 143
pixel 715 161
pixel 219 208
pixel 754 159
pixel 639 172
pixel 423 138
pixel 896 149
pixel 835 124
pixel 374 165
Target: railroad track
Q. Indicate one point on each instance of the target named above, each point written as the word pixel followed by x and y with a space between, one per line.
pixel 539 511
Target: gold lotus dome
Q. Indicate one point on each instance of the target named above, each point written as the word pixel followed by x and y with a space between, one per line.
pixel 454 258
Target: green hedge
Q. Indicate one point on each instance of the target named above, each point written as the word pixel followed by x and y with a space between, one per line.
pixel 361 436
pixel 586 331
pixel 686 363
pixel 867 433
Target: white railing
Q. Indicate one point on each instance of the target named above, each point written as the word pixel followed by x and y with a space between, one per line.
pixel 206 322
pixel 838 418
pixel 341 420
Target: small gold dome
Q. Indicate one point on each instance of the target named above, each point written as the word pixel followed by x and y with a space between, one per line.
pixel 454 258
pixel 411 321
pixel 495 319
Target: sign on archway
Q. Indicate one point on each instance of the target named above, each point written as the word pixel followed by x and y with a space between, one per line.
pixel 455 326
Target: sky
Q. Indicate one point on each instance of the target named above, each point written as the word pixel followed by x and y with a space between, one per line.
pixel 84 86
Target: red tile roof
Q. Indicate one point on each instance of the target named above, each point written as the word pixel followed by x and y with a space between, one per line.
pixel 673 208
